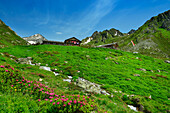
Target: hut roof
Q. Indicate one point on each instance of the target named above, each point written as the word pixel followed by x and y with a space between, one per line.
pixel 73 38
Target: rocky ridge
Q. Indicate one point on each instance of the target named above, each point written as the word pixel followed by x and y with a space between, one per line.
pixel 35 39
pixel 101 37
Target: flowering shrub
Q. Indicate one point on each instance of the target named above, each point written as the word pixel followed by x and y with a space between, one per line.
pixel 48 100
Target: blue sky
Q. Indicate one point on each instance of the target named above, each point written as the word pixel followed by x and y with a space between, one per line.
pixel 61 19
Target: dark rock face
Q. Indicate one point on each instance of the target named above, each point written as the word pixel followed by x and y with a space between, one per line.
pixel 163 20
pixel 106 34
pixel 131 31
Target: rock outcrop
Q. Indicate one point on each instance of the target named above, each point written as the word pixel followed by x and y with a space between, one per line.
pixel 131 31
pixel 101 37
pixel 35 39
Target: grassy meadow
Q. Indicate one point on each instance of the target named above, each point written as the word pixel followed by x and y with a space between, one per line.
pixel 120 73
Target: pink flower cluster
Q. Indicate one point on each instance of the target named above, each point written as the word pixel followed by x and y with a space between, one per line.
pixel 37 87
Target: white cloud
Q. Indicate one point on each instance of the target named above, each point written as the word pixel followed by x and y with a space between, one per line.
pixel 59 33
pixel 83 24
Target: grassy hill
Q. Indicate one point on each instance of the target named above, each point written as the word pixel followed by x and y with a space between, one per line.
pixel 131 79
pixel 152 38
pixel 8 37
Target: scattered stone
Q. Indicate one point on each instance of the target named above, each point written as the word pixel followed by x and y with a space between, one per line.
pixel 88 56
pixel 103 92
pixel 37 64
pixel 137 75
pixel 141 108
pixel 45 68
pixel 135 52
pixel 89 86
pixel 56 73
pixel 167 61
pixel 67 80
pixel 78 71
pixel 128 79
pixel 132 95
pixel 158 70
pixel 70 77
pixel 40 79
pixel 132 107
pixel 12 56
pixel 150 70
pixel 141 69
pixel 29 58
pixel 31 63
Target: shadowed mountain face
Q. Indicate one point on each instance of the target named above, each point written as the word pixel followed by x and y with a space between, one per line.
pixel 152 38
pixel 8 37
pixel 35 39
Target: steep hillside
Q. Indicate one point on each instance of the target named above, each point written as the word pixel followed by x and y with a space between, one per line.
pixel 99 38
pixel 35 39
pixel 152 38
pixel 8 37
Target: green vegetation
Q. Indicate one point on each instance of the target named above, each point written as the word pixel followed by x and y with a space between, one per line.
pixel 9 37
pixel 151 39
pixel 121 73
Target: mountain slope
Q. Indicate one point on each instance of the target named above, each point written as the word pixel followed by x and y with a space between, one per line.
pixel 152 38
pixel 35 39
pixel 99 38
pixel 8 37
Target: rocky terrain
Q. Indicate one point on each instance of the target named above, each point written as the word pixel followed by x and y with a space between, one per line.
pixel 152 38
pixel 98 38
pixel 35 39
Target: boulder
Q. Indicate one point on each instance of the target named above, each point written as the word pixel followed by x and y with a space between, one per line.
pixel 141 108
pixel 29 58
pixel 167 61
pixel 158 70
pixel 45 68
pixel 137 75
pixel 141 69
pixel 128 79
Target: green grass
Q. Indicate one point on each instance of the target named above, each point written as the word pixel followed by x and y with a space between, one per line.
pixel 8 37
pixel 152 29
pixel 98 65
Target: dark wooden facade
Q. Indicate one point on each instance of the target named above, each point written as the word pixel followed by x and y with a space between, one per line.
pixel 111 45
pixel 52 43
pixel 72 41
